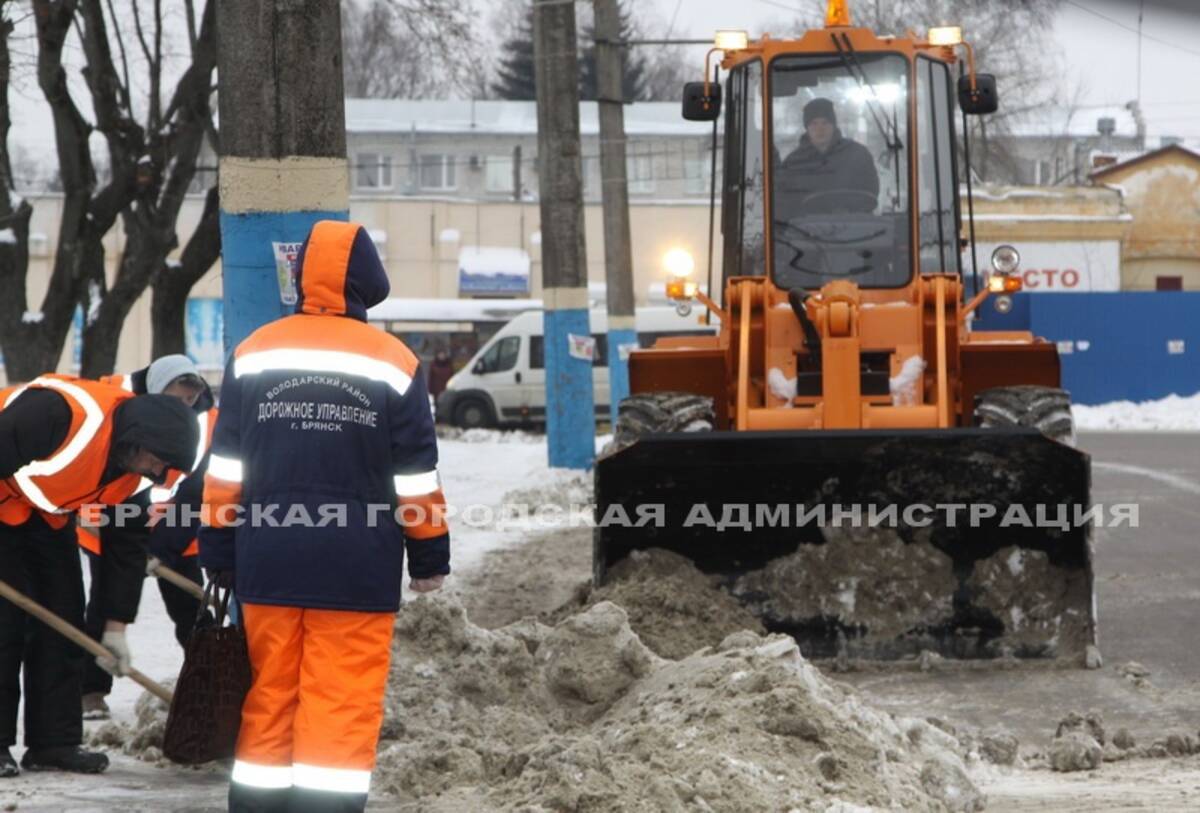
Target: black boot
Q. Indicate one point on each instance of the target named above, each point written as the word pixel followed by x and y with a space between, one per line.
pixel 8 766
pixel 70 758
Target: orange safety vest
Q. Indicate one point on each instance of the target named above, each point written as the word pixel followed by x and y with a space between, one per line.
pixel 70 477
pixel 119 380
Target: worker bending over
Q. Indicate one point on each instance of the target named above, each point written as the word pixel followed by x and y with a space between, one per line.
pixel 65 443
pixel 117 554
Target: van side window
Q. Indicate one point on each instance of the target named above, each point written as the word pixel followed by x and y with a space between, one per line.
pixel 537 352
pixel 501 356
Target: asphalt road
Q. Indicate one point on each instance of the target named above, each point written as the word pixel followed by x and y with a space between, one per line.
pixel 1148 599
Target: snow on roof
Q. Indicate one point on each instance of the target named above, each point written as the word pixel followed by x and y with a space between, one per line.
pixel 504 117
pixel 1064 121
pixel 400 309
pixel 1125 159
pixel 492 261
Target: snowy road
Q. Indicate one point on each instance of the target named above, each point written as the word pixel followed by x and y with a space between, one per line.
pixel 1148 582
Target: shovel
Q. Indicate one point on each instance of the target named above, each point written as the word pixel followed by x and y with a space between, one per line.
pixel 77 636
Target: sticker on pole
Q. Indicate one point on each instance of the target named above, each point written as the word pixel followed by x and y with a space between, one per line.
pixel 285 271
pixel 581 347
pixel 623 350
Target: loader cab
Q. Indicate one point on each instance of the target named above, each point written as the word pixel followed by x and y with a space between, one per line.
pixel 839 163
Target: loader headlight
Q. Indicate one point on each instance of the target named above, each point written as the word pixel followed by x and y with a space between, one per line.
pixel 679 263
pixel 731 40
pixel 680 289
pixel 1004 284
pixel 945 35
pixel 1006 259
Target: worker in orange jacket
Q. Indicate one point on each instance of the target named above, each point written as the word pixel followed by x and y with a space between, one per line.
pixel 117 553
pixel 323 417
pixel 65 443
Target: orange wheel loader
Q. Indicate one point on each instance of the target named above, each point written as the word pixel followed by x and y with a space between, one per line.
pixel 847 457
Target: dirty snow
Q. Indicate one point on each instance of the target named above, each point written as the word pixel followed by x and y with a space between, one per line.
pixel 1173 413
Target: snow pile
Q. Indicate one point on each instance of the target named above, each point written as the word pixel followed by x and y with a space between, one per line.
pixel 490 436
pixel 1174 412
pixel 903 387
pixel 584 716
pixel 781 386
pixel 673 607
pixel 144 738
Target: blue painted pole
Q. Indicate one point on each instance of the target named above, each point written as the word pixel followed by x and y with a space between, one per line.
pixel 570 414
pixel 282 166
pixel 570 410
pixel 618 367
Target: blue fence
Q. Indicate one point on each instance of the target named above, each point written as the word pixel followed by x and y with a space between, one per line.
pixel 1120 346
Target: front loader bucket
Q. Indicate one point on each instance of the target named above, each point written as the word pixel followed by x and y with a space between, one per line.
pixel 876 544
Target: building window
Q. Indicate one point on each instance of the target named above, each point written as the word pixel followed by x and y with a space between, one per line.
pixel 639 167
pixel 499 174
pixel 1168 283
pixel 437 172
pixel 372 171
pixel 697 173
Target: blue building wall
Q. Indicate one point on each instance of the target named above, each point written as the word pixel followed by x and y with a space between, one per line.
pixel 1118 346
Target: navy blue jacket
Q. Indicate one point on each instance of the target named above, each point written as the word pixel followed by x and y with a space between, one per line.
pixel 326 442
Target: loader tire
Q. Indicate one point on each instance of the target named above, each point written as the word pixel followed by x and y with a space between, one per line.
pixel 649 412
pixel 1048 409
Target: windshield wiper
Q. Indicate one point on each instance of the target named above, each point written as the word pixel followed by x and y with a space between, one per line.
pixel 850 62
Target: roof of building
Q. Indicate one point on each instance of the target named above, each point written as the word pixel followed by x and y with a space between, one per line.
pixel 504 117
pixel 1137 159
pixel 1073 122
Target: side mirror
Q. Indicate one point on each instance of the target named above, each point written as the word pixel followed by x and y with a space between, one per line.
pixel 700 107
pixel 983 99
pixel 477 369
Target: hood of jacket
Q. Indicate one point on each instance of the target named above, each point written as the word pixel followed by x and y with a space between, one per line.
pixel 160 424
pixel 339 272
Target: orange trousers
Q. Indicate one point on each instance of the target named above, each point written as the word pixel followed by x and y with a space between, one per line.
pixel 311 720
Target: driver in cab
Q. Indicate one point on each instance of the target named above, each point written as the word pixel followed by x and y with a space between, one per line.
pixel 828 172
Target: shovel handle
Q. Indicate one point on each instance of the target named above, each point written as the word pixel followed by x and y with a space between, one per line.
pixel 77 637
pixel 176 578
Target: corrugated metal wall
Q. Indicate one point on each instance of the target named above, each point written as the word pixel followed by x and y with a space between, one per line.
pixel 1122 346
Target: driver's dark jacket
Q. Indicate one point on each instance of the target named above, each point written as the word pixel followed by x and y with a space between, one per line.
pixel 846 166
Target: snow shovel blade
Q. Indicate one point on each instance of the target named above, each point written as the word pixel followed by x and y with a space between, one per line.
pixel 980 546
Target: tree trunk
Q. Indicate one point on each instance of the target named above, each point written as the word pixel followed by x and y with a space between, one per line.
pixel 168 307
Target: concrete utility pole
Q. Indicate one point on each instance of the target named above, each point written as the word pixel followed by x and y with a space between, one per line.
pixel 570 410
pixel 614 191
pixel 283 146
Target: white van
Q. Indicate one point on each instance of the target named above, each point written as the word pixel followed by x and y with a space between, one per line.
pixel 505 382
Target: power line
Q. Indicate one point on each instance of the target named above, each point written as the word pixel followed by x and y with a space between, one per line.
pixel 1128 28
pixel 784 6
pixel 674 17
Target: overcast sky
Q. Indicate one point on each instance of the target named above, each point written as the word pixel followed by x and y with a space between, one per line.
pixel 1099 53
pixel 1097 38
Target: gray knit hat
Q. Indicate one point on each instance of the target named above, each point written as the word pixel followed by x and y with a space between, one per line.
pixel 166 369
